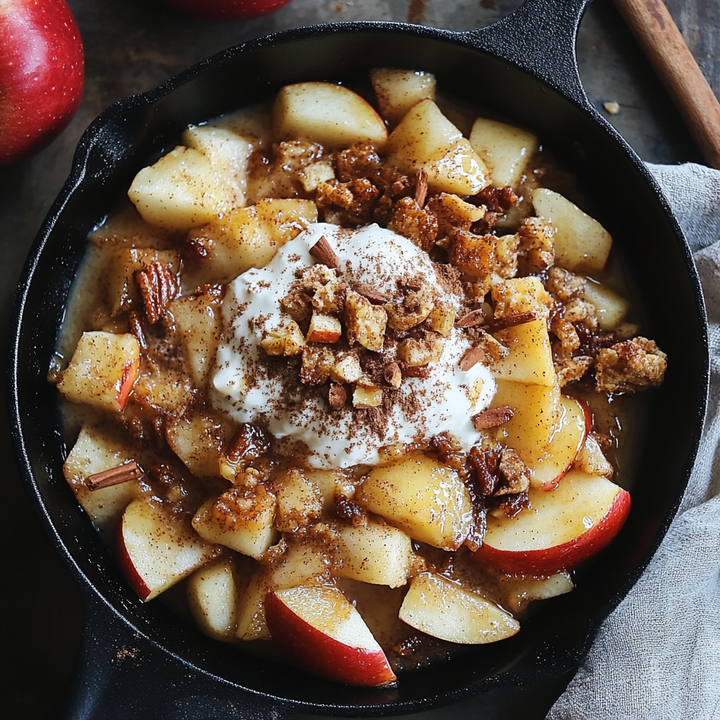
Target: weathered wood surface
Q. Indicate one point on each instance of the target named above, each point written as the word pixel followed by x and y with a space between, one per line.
pixel 133 45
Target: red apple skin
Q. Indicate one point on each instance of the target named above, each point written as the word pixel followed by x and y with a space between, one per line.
pixel 552 484
pixel 127 567
pixel 560 558
pixel 42 75
pixel 318 653
pixel 129 376
pixel 226 9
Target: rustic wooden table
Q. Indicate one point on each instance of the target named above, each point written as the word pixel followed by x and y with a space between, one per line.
pixel 133 45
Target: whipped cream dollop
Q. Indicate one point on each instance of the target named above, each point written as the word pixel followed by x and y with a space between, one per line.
pixel 253 389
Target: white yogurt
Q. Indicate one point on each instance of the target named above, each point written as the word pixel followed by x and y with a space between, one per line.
pixel 245 387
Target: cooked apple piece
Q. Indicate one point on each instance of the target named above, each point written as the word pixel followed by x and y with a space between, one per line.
pixel 561 529
pixel 315 174
pixel 197 321
pixel 610 307
pixel 573 426
pixel 212 598
pixel 164 389
pixel 96 451
pixel 198 439
pixel 301 564
pixel 320 631
pixel 374 553
pixel 367 397
pixel 426 140
pixel 157 548
pixel 248 237
pixel 324 329
pixel 180 191
pixel 536 413
pixel 228 154
pixel 529 357
pixel 241 519
pixel 505 150
pixel 299 501
pixel 332 115
pixel 442 608
pixel 119 277
pixel 518 591
pixel 102 370
pixel 581 242
pixel 398 90
pixel 517 296
pixel 442 319
pixel 422 497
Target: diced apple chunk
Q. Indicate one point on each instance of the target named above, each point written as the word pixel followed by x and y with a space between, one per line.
pixel 241 519
pixel 198 439
pixel 504 148
pixel 397 90
pixel 180 191
pixel 299 501
pixel 212 598
pixel 442 608
pixel 228 154
pixel 581 242
pixel 102 370
pixel 422 497
pixel 610 307
pixel 196 319
pixel 529 358
pixel 249 237
pixel 329 114
pixel 95 451
pixel 374 553
pixel 536 412
pixel 157 549
pixel 426 140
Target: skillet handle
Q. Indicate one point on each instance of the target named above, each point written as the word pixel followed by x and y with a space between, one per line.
pixel 540 37
pixel 123 675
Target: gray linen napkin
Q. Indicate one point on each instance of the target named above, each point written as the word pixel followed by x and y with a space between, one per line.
pixel 658 654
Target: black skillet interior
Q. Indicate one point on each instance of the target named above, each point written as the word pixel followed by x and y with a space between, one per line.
pixel 525 70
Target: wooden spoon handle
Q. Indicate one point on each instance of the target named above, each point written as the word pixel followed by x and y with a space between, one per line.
pixel 655 30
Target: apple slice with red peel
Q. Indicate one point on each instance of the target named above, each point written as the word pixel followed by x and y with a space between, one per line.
pixel 156 549
pixel 573 427
pixel 442 608
pixel 560 529
pixel 321 631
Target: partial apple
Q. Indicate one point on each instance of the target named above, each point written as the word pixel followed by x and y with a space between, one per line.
pixel 329 114
pixel 442 608
pixel 226 9
pixel 560 529
pixel 156 549
pixel 319 630
pixel 42 75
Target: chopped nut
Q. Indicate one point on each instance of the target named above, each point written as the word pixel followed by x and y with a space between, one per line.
pixel 328 298
pixel 318 172
pixel 367 397
pixel 473 254
pixel 414 309
pixel 372 294
pixel 157 287
pixel 415 353
pixel 536 240
pixel 421 188
pixel 317 363
pixel 392 375
pixel 515 472
pixel 347 368
pixel 492 417
pixel 513 320
pixel 629 366
pixel 411 221
pixel 337 396
pixel 571 369
pixel 442 319
pixel 324 253
pixel 471 357
pixel 285 340
pixel 364 323
pixel 324 329
pixel 471 319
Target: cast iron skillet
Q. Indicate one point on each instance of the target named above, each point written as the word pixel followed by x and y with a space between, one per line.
pixel 140 661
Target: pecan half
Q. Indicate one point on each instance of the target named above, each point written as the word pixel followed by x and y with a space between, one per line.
pixel 157 288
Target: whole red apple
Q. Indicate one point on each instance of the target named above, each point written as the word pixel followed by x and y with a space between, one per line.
pixel 42 73
pixel 227 9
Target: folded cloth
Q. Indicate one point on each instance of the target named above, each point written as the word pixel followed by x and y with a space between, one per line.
pixel 657 656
